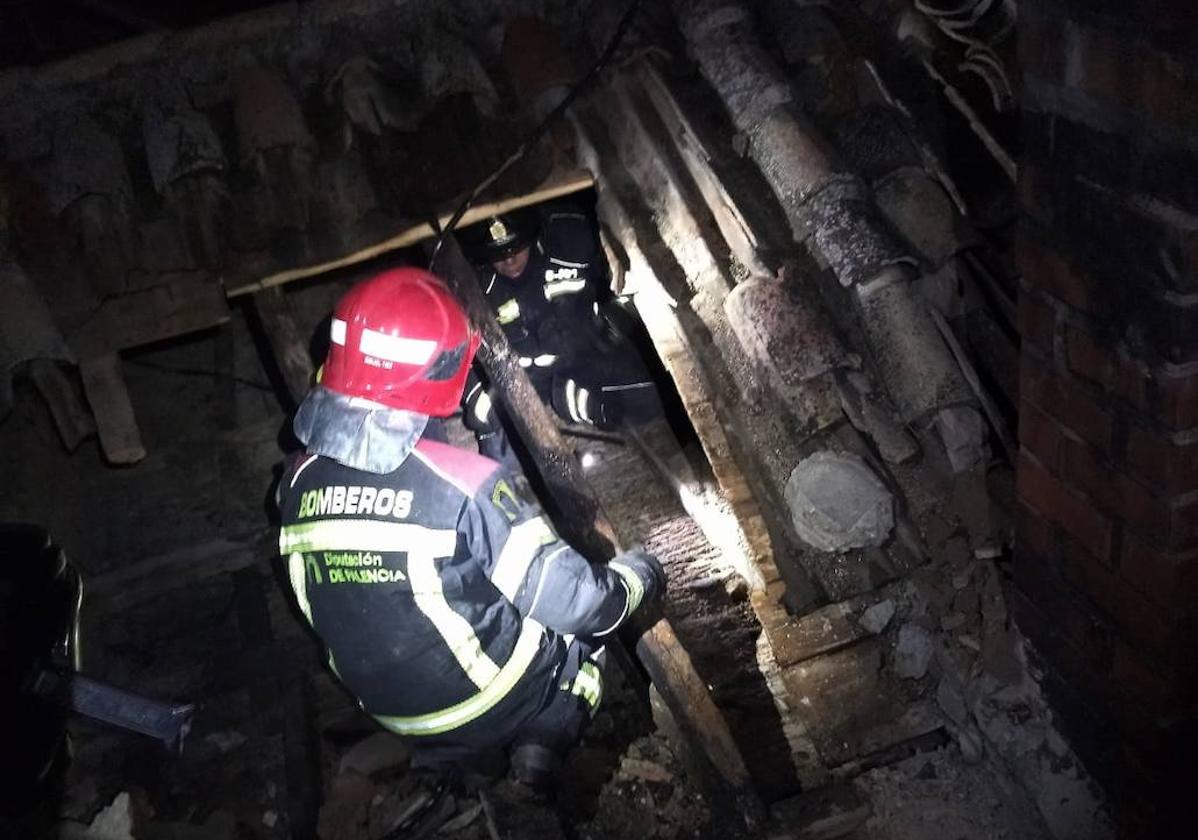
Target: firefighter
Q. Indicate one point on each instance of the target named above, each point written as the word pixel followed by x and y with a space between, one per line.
pixel 447 603
pixel 548 290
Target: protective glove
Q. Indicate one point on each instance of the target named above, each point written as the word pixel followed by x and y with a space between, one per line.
pixel 648 570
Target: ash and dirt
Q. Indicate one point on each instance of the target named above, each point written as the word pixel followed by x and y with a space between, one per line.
pixel 939 795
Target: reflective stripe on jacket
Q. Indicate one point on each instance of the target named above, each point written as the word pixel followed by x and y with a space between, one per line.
pixel 439 589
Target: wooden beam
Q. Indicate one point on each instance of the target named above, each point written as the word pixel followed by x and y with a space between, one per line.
pixel 288 345
pixel 105 388
pixel 150 315
pixel 563 183
pixel 73 422
pixel 588 528
pixel 724 209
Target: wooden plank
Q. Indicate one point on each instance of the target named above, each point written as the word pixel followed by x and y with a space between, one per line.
pixel 558 185
pixel 71 419
pixel 129 585
pixel 150 315
pixel 290 349
pixel 852 705
pixel 728 216
pixel 109 398
pixel 589 529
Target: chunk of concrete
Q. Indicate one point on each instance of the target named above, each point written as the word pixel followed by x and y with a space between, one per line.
pixel 837 503
pixel 913 653
pixel 875 619
pixel 963 433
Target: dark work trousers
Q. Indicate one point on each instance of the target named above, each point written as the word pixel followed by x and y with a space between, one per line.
pixel 606 388
pixel 565 709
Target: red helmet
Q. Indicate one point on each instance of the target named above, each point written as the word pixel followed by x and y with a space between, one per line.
pixel 401 339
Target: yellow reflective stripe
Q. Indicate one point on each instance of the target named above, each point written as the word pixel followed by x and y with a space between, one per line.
pixel 564 287
pixel 632 583
pixel 474 707
pixel 367 535
pixel 588 684
pixel 299 583
pixel 454 628
pixel 517 555
pixel 508 311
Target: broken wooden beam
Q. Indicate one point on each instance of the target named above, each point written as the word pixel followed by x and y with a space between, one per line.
pixel 289 348
pixel 109 398
pixel 589 529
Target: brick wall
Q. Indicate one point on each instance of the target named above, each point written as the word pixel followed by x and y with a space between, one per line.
pixel 1106 566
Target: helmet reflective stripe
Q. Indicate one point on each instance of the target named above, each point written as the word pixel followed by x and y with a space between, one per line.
pixel 474 707
pixel 337 331
pixel 395 348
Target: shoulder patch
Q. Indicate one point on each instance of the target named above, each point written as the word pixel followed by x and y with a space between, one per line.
pixel 463 469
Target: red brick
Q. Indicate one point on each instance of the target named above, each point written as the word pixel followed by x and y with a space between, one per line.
pixel 1135 75
pixel 1118 496
pixel 1035 532
pixel 1033 189
pixel 1170 578
pixel 1062 397
pixel 1105 366
pixel 1039 47
pixel 1164 87
pixel 1047 271
pixel 1151 685
pixel 1142 619
pixel 1166 461
pixel 1044 493
pixel 1037 321
pixel 1105 59
pixel 1173 399
pixel 1039 434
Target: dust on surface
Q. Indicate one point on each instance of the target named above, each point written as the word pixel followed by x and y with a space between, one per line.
pixel 939 796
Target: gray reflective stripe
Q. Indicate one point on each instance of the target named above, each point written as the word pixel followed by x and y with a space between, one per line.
pixel 578 402
pixel 567 263
pixel 632 582
pixel 523 543
pixel 474 707
pixel 630 386
pixel 564 287
pixel 367 535
pixel 457 632
pixel 544 360
pixel 299 583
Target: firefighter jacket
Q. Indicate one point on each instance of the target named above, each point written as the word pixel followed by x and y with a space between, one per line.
pixel 549 313
pixel 440 590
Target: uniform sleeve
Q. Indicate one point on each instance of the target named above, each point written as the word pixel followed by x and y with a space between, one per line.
pixel 572 281
pixel 539 573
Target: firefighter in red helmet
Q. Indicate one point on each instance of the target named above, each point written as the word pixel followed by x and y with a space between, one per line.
pixel 446 602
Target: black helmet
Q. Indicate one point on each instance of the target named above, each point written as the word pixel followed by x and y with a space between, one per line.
pixel 500 236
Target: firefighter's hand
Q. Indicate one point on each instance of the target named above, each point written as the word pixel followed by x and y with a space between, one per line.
pixel 649 569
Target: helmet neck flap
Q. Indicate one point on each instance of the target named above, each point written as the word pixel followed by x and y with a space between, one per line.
pixel 356 432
